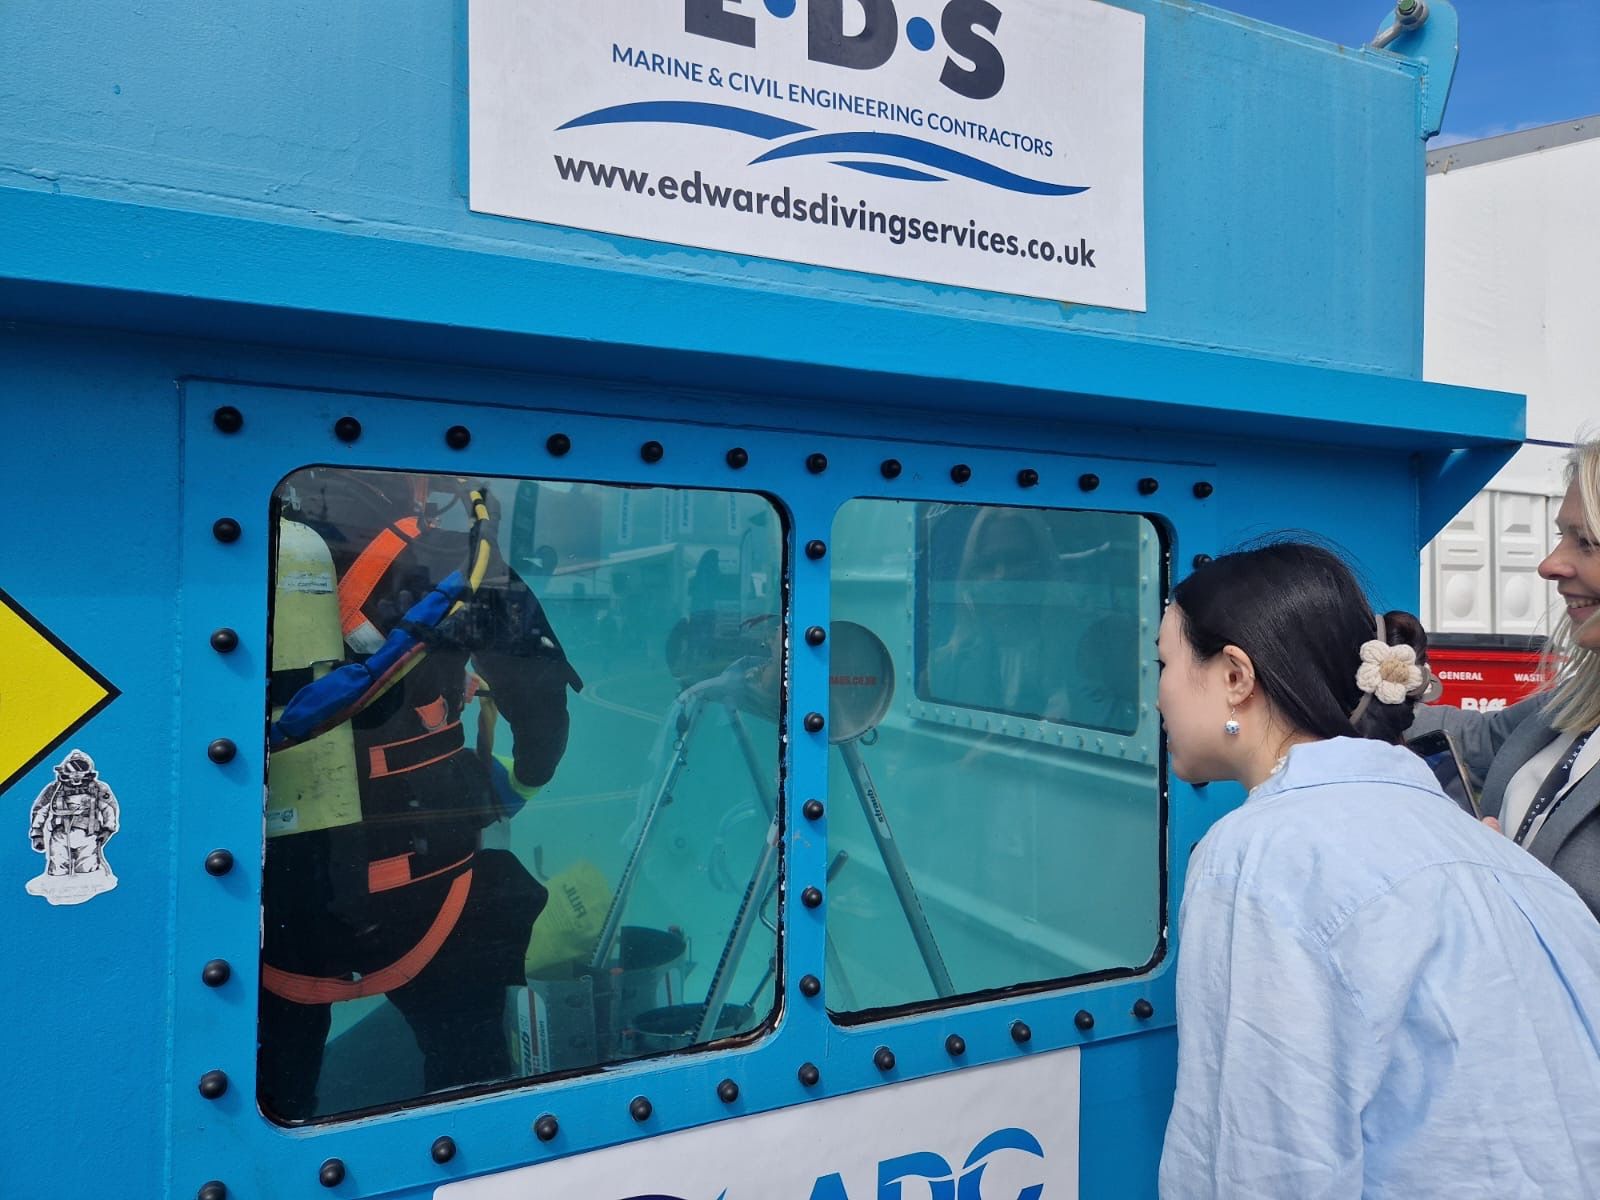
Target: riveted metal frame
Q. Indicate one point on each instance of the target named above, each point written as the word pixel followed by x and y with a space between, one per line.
pixel 226 584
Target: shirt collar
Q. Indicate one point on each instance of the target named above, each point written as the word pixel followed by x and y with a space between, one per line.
pixel 1343 759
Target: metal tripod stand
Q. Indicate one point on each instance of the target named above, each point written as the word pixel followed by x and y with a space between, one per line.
pixel 856 708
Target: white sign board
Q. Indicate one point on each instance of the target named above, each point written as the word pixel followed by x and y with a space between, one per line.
pixel 1003 1132
pixel 989 145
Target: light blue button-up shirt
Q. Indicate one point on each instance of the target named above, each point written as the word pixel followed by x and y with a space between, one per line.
pixel 1380 997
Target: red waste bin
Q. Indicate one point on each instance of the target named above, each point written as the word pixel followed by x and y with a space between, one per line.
pixel 1485 673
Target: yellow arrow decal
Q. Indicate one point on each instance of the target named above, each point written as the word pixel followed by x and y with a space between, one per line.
pixel 46 691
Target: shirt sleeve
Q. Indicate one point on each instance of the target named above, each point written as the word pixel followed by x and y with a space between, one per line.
pixel 1275 1061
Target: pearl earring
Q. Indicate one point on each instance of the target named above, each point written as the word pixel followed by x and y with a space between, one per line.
pixel 1231 725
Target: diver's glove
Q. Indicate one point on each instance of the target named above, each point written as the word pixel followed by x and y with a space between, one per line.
pixel 509 794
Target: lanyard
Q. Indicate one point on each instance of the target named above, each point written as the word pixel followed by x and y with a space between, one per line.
pixel 1545 799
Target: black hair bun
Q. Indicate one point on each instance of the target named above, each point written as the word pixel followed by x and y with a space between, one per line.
pixel 1405 630
pixel 1389 722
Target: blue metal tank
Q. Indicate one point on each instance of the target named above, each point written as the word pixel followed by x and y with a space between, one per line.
pixel 241 252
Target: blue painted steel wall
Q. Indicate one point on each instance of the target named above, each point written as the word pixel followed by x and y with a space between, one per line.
pixel 1283 176
pixel 264 204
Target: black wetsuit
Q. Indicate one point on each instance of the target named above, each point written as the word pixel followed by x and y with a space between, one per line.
pixel 346 902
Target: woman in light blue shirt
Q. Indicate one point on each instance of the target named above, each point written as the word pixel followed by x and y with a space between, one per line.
pixel 1377 995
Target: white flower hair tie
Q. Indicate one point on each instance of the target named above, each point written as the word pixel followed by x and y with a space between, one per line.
pixel 1389 673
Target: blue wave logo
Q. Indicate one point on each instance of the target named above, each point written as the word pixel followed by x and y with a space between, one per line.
pixel 690 112
pixel 1001 1139
pixel 919 161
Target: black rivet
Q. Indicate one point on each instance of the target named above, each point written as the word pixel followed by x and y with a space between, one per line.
pixel 960 473
pixel 1084 1020
pixel 808 1074
pixel 225 529
pixel 214 1084
pixel 1149 486
pixel 816 548
pixel 727 1091
pixel 228 419
pixel 814 722
pixel 816 635
pixel 1202 490
pixel 214 1190
pixel 955 1045
pixel 331 1173
pixel 811 897
pixel 883 1058
pixel 813 809
pixel 1020 1033
pixel 558 444
pixel 890 468
pixel 652 452
pixel 1202 560
pixel 810 986
pixel 738 457
pixel 1143 1009
pixel 816 463
pixel 216 972
pixel 221 750
pixel 546 1128
pixel 640 1108
pixel 224 640
pixel 1027 477
pixel 1088 482
pixel 443 1149
pixel 347 429
pixel 219 862
pixel 458 437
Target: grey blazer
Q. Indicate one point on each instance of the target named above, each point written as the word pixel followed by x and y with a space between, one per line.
pixel 1495 745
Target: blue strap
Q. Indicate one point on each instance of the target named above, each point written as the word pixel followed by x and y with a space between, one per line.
pixel 339 695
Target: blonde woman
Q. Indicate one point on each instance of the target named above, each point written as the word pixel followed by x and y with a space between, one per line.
pixel 1536 761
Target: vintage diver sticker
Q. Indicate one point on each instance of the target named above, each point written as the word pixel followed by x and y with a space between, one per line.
pixel 71 821
pixel 46 691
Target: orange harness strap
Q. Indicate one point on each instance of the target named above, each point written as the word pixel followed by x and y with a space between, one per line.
pixel 312 989
pixel 412 754
pixel 369 568
pixel 389 873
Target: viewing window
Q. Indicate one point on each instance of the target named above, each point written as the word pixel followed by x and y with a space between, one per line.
pixel 523 772
pixel 994 791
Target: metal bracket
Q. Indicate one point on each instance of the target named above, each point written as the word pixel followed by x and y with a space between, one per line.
pixel 1447 480
pixel 1428 33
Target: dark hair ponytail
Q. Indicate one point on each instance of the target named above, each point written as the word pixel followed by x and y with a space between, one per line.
pixel 1298 612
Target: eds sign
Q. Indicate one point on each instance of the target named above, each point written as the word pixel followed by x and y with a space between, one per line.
pixel 994 144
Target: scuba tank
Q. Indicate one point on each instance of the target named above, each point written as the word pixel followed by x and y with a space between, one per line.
pixel 311 785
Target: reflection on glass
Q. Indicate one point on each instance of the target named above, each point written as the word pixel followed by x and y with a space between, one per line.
pixel 1016 770
pixel 522 781
pixel 996 581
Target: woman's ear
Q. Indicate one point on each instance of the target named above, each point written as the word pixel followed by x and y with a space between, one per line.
pixel 1239 675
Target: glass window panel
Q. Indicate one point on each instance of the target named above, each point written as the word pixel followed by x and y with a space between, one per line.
pixel 523 773
pixel 1000 818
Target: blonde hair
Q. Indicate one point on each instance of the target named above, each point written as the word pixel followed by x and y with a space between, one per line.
pixel 1574 672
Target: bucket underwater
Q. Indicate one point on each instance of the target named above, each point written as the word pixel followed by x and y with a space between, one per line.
pixel 673 1027
pixel 556 1026
pixel 646 974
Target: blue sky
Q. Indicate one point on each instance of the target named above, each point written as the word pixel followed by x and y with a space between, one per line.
pixel 1523 62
